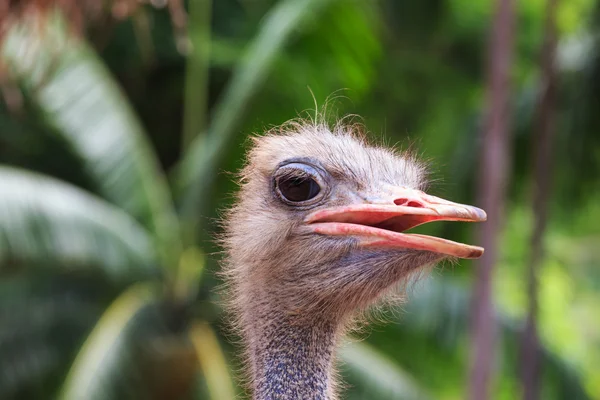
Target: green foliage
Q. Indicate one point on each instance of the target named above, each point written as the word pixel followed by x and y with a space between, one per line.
pixel 35 349
pixel 78 98
pixel 105 115
pixel 378 376
pixel 105 367
pixel 67 227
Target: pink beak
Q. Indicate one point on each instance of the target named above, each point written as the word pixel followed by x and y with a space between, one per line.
pixel 381 225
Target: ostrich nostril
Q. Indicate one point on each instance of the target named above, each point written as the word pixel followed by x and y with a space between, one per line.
pixel 408 203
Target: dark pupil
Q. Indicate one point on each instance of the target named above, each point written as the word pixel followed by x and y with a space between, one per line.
pixel 298 189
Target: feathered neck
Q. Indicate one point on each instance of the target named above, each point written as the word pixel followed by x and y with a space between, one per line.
pixel 290 357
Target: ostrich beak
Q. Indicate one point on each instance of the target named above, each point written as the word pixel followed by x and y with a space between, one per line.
pixel 381 224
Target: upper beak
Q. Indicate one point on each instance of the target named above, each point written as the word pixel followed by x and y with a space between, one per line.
pixel 381 224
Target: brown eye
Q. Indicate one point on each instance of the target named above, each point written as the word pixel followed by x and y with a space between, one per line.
pixel 298 189
pixel 300 184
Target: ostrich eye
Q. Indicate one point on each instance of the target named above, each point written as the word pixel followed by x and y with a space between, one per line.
pixel 297 189
pixel 300 184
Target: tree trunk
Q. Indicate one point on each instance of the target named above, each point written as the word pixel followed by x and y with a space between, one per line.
pixel 494 172
pixel 542 178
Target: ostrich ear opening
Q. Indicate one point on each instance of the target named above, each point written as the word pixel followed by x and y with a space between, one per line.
pixel 383 224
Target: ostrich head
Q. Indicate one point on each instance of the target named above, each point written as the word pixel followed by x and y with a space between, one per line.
pixel 316 235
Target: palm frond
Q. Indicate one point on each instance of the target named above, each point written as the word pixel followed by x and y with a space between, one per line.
pixel 212 362
pixel 80 100
pixel 38 336
pixel 113 363
pixel 44 316
pixel 44 221
pixel 377 375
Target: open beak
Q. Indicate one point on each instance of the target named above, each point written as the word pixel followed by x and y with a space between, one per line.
pixel 381 225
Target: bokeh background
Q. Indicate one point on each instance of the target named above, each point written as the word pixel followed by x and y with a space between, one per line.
pixel 121 120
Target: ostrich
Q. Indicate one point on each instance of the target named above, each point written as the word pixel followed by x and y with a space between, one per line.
pixel 314 238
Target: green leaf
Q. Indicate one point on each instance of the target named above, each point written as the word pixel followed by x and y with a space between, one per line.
pixel 41 325
pixel 80 100
pixel 196 81
pixel 379 376
pixel 212 361
pixel 46 221
pixel 434 324
pixel 97 370
pixel 132 353
pixel 198 168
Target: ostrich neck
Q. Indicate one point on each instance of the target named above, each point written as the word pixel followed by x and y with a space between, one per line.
pixel 291 360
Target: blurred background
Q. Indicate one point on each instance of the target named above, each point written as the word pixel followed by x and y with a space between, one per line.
pixel 121 120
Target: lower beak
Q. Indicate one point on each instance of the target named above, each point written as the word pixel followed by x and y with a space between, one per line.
pixel 382 225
